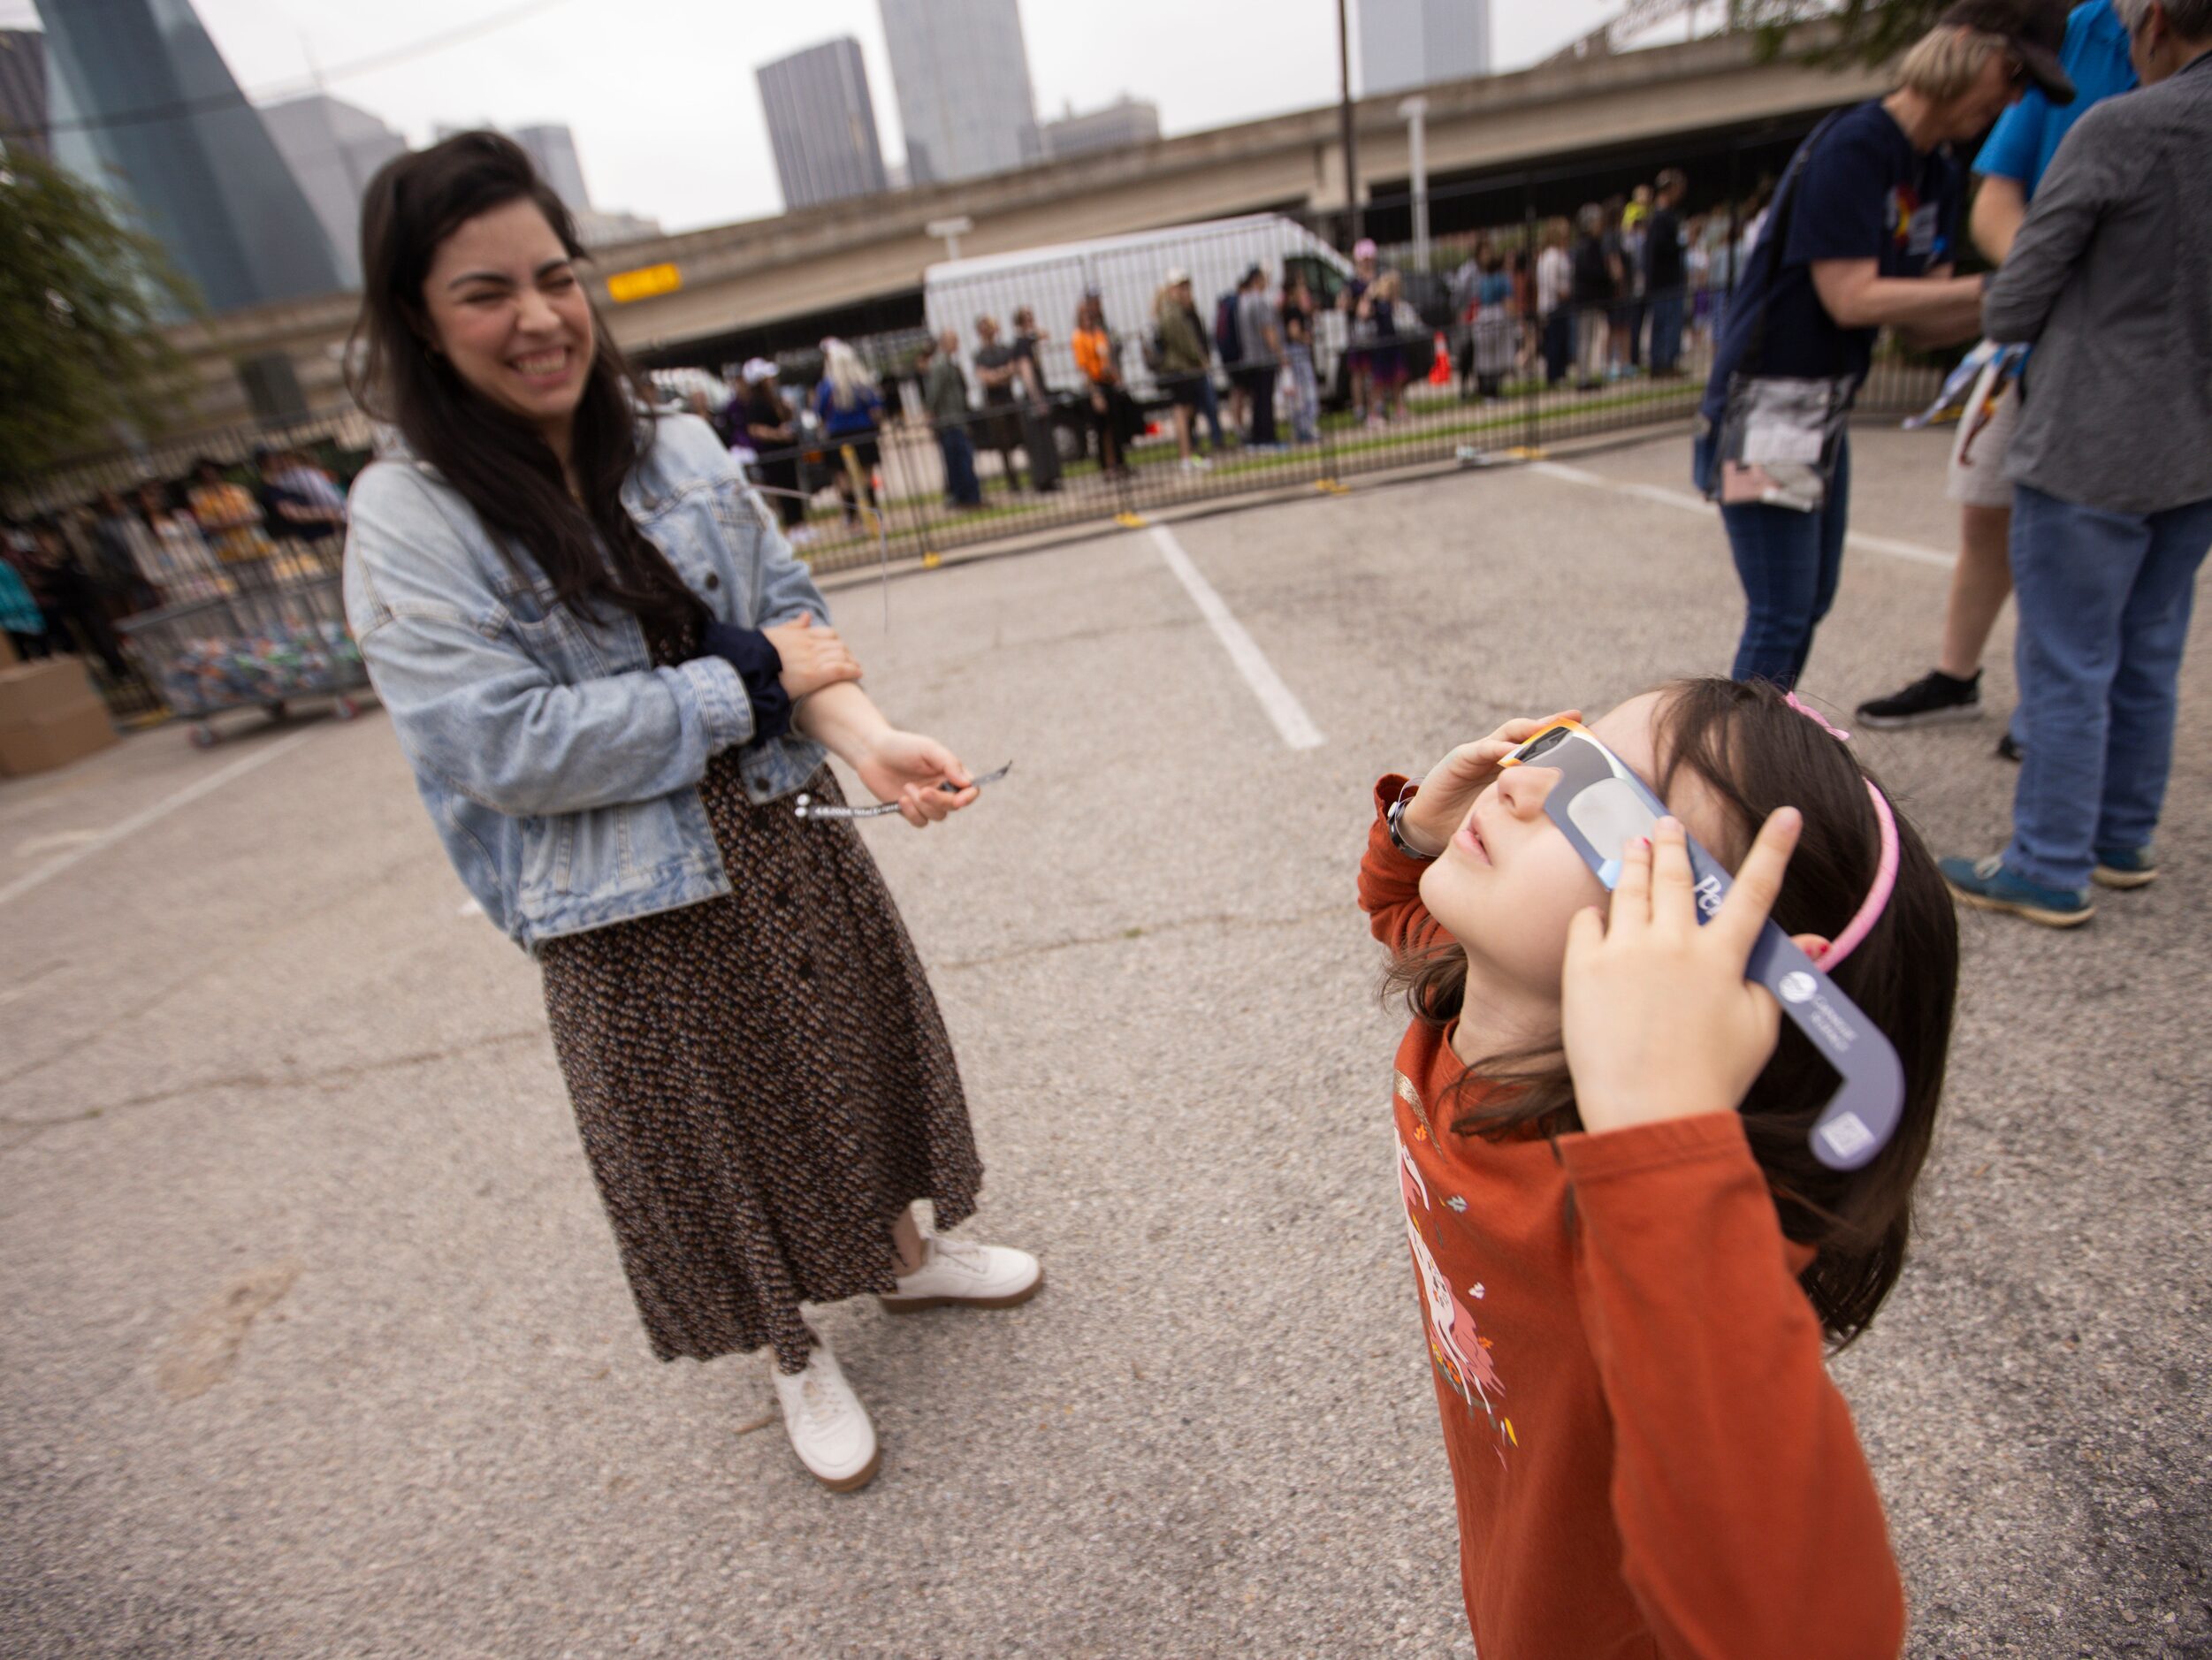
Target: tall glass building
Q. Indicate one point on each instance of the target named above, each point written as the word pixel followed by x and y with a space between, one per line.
pixel 333 149
pixel 822 124
pixel 1409 43
pixel 143 106
pixel 23 89
pixel 962 75
pixel 552 147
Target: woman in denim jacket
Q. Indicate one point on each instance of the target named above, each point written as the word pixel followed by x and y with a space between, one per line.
pixel 608 672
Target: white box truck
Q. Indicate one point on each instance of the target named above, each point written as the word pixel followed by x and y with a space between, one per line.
pixel 1127 272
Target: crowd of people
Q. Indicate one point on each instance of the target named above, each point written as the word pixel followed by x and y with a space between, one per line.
pixel 1625 294
pixel 2083 464
pixel 68 577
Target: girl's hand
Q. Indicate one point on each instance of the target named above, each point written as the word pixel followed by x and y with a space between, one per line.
pixel 813 658
pixel 1452 783
pixel 907 768
pixel 1655 1017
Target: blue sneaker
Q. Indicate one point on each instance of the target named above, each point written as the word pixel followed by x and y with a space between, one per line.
pixel 1988 885
pixel 2124 867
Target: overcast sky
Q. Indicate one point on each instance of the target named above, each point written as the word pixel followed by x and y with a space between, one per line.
pixel 666 114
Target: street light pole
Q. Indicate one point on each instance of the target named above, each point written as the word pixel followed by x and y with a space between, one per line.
pixel 1416 110
pixel 951 231
pixel 1345 123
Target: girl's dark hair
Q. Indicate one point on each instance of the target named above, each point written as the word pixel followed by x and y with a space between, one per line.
pixel 1755 753
pixel 501 464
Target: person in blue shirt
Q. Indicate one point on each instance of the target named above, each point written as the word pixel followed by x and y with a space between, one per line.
pixel 2011 165
pixel 1860 237
pixel 850 410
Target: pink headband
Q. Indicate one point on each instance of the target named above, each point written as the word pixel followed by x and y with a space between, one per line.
pixel 1870 910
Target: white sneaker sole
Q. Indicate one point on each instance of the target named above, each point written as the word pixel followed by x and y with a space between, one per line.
pixel 2024 909
pixel 850 1483
pixel 920 1305
pixel 2105 876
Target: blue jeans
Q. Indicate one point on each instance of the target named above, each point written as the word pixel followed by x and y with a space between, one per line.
pixel 1305 403
pixel 2104 603
pixel 1558 343
pixel 1210 407
pixel 959 451
pixel 1667 331
pixel 1789 563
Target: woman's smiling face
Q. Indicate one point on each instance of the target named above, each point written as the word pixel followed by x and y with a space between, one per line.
pixel 1508 883
pixel 505 309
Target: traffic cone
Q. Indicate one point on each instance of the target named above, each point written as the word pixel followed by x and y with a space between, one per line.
pixel 1440 365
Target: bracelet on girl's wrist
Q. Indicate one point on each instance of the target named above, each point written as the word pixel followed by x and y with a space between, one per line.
pixel 1397 810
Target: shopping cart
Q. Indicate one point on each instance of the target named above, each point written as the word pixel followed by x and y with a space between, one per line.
pixel 279 633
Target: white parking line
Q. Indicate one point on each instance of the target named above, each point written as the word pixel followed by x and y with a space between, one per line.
pixel 1282 705
pixel 159 811
pixel 1666 497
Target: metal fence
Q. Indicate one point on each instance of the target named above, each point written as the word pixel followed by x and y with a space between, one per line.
pixel 1504 383
pixel 1507 381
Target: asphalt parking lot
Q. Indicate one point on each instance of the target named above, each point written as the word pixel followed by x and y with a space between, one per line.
pixel 316 1343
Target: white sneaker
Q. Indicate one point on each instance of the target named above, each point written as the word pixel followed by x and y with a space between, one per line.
pixel 960 1271
pixel 1197 464
pixel 829 1428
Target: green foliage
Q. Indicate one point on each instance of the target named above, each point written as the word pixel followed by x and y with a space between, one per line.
pixel 81 301
pixel 1865 31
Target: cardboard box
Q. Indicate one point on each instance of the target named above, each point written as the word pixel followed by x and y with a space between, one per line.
pixel 48 741
pixel 51 686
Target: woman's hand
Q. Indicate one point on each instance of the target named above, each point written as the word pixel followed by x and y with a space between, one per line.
pixel 1452 783
pixel 1655 1017
pixel 907 768
pixel 813 658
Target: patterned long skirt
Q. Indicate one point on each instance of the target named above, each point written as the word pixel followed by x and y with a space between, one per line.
pixel 763 1083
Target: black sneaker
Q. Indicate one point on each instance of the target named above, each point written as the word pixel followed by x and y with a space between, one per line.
pixel 2010 749
pixel 1933 698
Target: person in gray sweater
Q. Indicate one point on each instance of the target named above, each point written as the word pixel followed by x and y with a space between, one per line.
pixel 2111 279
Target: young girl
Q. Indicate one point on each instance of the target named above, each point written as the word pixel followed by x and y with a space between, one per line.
pixel 1626 1254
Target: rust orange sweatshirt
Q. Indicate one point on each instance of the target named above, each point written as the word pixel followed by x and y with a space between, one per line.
pixel 1649 1457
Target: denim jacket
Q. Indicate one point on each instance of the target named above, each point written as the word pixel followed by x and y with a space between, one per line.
pixel 558 765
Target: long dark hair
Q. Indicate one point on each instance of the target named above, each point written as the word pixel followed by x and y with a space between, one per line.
pixel 1755 753
pixel 590 551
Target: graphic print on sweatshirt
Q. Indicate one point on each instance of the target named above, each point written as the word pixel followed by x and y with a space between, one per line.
pixel 1459 1349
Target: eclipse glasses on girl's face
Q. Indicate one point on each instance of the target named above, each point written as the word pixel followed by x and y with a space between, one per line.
pixel 1599 804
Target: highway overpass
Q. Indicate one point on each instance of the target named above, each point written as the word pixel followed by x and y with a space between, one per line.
pixel 1549 134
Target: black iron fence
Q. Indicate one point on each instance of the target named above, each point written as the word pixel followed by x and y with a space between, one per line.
pixel 1472 390
pixel 1452 369
pixel 1470 347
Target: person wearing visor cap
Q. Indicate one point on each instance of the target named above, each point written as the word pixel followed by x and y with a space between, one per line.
pixel 769 428
pixel 1183 359
pixel 2110 281
pixel 1862 236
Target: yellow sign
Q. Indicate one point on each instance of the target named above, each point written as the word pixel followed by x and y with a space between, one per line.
pixel 643 283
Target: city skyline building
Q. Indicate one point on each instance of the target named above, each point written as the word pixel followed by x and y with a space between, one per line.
pixel 552 147
pixel 1125 122
pixel 596 228
pixel 333 149
pixel 960 72
pixel 204 177
pixel 1409 43
pixel 23 91
pixel 821 125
